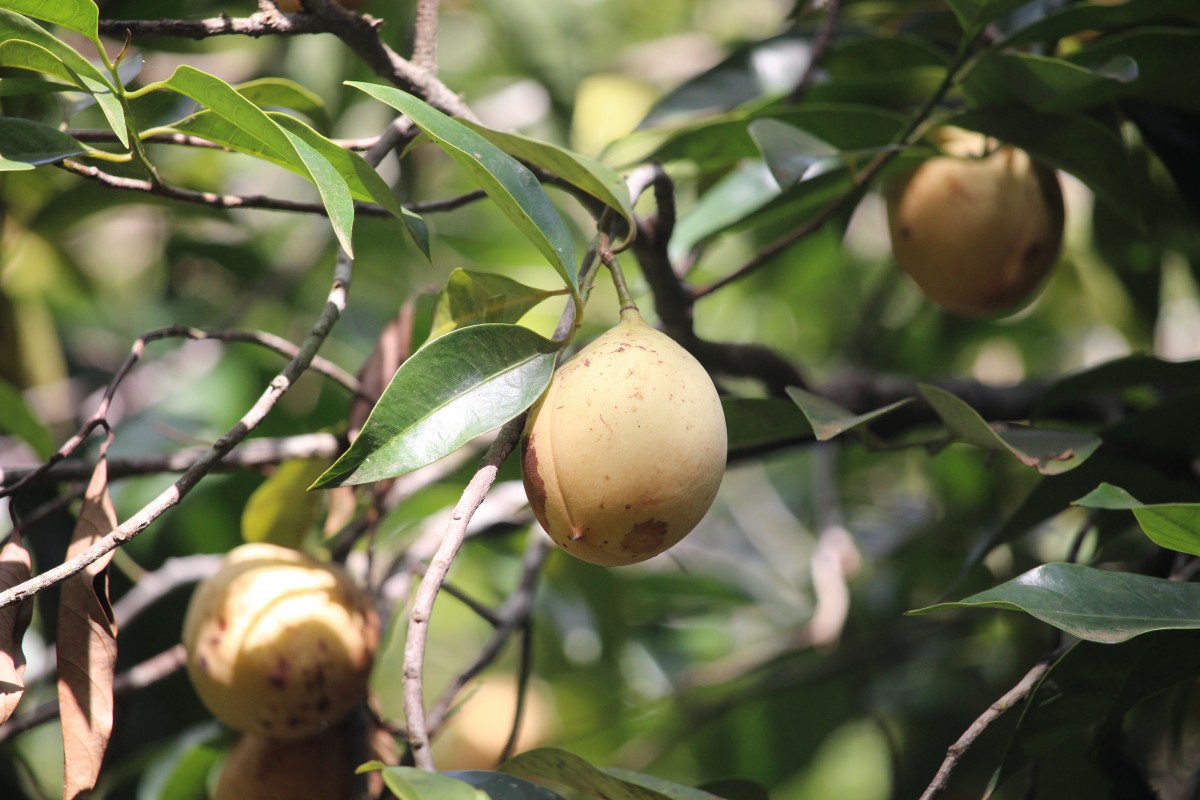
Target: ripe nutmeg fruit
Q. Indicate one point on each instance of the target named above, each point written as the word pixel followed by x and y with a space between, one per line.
pixel 624 453
pixel 977 235
pixel 279 644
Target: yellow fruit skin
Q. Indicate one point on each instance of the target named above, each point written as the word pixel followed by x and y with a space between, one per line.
pixel 278 643
pixel 977 236
pixel 318 768
pixel 624 454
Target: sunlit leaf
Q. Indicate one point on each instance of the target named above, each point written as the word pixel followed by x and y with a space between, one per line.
pixel 1175 526
pixel 282 510
pixel 472 298
pixel 25 144
pixel 501 786
pixel 740 193
pixel 267 93
pixel 81 16
pixel 458 386
pixel 1046 450
pixel 828 419
pixel 1093 604
pixel 510 185
pixel 410 783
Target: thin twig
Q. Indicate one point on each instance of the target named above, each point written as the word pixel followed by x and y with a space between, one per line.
pixel 439 566
pixel 1011 698
pixel 524 673
pixel 821 45
pixel 334 305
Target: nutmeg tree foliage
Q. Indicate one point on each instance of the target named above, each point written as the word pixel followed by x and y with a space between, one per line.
pixel 297 278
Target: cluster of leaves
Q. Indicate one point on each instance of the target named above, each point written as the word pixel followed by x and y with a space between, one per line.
pixel 1068 82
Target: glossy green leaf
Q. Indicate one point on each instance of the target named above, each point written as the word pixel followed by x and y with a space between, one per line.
pixel 588 175
pixel 790 152
pixel 273 141
pixel 1048 451
pixel 828 419
pixel 410 783
pixel 568 769
pixel 25 144
pixel 1093 604
pixel 13 87
pixel 267 93
pixel 472 298
pixel 1092 151
pixel 1047 84
pixel 455 388
pixel 754 422
pixel 974 14
pixel 1080 17
pixel 21 54
pixel 80 71
pixel 501 786
pixel 510 185
pixel 15 417
pixel 81 16
pixel 282 510
pixel 1096 684
pixel 748 188
pixel 1175 526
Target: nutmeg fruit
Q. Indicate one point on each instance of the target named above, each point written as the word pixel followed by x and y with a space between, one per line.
pixel 977 235
pixel 624 453
pixel 317 768
pixel 278 643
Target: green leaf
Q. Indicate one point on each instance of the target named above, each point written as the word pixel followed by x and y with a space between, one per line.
pixel 754 422
pixel 1118 377
pixel 15 416
pixel 789 151
pixel 453 389
pixel 1090 150
pixel 748 188
pixel 20 54
pixel 1046 84
pixel 25 144
pixel 81 16
pixel 283 93
pixel 737 789
pixel 586 174
pixel 1048 451
pixel 282 510
pixel 12 87
pixel 666 788
pixel 510 185
pixel 1096 684
pixel 1093 604
pixel 1158 52
pixel 472 298
pixel 568 769
pixel 79 70
pixel 410 783
pixel 273 141
pixel 1081 17
pixel 828 419
pixel 500 786
pixel 1175 526
pixel 974 14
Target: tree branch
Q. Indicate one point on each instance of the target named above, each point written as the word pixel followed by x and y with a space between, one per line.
pixel 425 33
pixel 821 44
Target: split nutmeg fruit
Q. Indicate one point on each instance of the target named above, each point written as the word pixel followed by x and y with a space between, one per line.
pixel 624 453
pixel 279 644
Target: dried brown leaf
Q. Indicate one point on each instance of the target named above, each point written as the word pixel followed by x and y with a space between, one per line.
pixel 87 646
pixel 15 567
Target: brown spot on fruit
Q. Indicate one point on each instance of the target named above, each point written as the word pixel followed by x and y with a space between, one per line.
pixel 645 537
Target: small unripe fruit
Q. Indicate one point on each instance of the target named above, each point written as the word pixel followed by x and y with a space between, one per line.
pixel 319 768
pixel 279 644
pixel 624 453
pixel 977 236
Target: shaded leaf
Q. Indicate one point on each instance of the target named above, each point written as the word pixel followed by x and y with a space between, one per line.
pixel 182 769
pixel 597 179
pixel 737 789
pixel 1080 17
pixel 511 186
pixel 1043 83
pixel 12 87
pixel 274 92
pixel 15 568
pixel 410 783
pixel 282 510
pixel 18 420
pixel 455 388
pixel 666 788
pixel 272 141
pixel 87 645
pixel 568 769
pixel 500 786
pixel 828 419
pixel 471 298
pixel 25 144
pixel 81 72
pixel 1175 526
pixel 1048 451
pixel 763 421
pixel 1093 604
pixel 1158 53
pixel 1133 372
pixel 1092 151
pixel 1097 684
pixel 81 16
pixel 791 153
pixel 974 14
